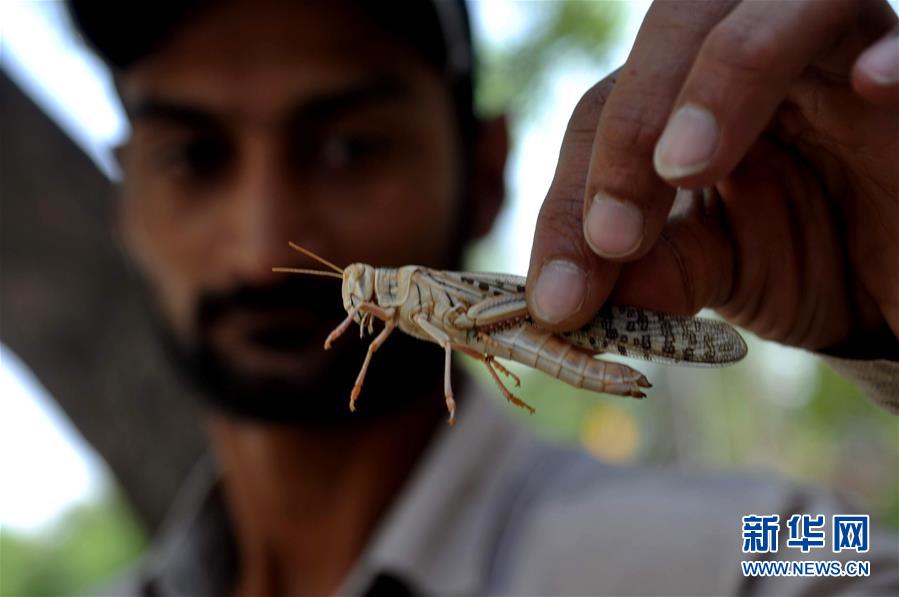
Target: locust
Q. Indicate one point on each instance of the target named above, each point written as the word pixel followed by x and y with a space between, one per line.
pixel 485 316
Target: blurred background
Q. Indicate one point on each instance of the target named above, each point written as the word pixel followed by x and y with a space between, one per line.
pixel 66 523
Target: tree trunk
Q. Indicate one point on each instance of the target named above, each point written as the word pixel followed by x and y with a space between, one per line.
pixel 75 313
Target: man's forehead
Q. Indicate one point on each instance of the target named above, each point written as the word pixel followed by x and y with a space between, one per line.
pixel 303 104
pixel 240 58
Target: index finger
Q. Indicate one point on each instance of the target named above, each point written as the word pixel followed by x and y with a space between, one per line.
pixel 567 281
pixel 569 278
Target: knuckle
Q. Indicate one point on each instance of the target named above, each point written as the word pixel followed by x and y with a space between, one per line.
pixel 630 129
pixel 589 107
pixel 577 144
pixel 598 95
pixel 742 49
pixel 561 220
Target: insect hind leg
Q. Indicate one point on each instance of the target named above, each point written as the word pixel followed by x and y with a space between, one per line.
pixel 491 363
pixel 503 370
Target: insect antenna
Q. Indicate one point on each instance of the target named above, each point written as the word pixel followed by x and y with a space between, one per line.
pixel 314 272
pixel 309 253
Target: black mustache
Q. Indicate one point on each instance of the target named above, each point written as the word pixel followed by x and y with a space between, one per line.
pixel 319 296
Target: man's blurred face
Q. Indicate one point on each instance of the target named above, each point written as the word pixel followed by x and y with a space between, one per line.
pixel 257 125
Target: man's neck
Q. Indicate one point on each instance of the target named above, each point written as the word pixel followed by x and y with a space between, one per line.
pixel 304 502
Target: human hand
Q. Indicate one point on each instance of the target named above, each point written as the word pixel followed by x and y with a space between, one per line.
pixel 787 114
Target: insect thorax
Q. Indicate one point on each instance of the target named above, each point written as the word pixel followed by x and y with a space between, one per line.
pixel 392 284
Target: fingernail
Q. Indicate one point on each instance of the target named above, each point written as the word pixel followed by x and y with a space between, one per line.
pixel 881 63
pixel 613 228
pixel 560 291
pixel 688 143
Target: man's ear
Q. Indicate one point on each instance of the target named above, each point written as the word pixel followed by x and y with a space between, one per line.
pixel 491 150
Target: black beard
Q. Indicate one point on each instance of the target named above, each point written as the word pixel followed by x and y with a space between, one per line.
pixel 403 370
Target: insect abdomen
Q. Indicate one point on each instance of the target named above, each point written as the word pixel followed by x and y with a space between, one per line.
pixel 547 352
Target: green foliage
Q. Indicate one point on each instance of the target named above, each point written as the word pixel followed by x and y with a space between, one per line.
pixel 89 545
pixel 513 77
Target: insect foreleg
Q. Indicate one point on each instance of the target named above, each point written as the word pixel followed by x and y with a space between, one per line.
pixel 378 311
pixel 339 330
pixel 365 308
pixel 444 340
pixel 375 344
pixel 366 323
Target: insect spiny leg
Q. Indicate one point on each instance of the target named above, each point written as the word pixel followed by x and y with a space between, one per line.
pixel 488 360
pixel 509 395
pixel 488 340
pixel 503 370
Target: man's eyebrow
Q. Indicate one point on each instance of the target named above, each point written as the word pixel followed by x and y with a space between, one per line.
pixel 152 108
pixel 321 106
pixel 334 103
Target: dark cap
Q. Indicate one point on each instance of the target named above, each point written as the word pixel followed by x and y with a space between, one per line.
pixel 124 32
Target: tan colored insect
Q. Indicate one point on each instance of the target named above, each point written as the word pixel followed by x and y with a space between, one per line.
pixel 485 316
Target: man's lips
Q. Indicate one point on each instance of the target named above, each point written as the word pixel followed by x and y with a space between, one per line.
pixel 285 338
pixel 277 330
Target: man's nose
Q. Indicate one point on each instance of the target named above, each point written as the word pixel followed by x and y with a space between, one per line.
pixel 268 211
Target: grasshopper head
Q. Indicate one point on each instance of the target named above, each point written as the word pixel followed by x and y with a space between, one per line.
pixel 358 285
